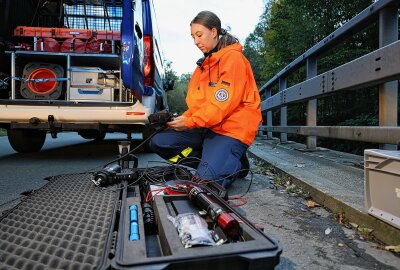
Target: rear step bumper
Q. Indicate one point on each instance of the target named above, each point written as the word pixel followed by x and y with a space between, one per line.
pixel 69 112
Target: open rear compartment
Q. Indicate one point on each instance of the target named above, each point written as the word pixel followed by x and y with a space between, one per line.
pixel 161 248
pixel 74 58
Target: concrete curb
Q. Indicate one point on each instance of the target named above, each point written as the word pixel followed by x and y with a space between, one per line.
pixel 382 231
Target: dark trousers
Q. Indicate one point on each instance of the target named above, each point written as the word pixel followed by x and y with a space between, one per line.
pixel 215 156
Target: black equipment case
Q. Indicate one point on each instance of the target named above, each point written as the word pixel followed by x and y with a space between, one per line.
pixel 72 224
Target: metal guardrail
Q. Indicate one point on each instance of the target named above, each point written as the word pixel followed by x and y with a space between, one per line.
pixel 379 67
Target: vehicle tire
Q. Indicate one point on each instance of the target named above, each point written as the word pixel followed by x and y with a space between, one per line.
pixel 26 140
pixel 92 134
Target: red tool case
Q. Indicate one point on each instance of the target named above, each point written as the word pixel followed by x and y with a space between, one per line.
pixel 51 32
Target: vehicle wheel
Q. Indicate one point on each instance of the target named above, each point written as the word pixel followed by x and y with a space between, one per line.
pixel 26 140
pixel 92 134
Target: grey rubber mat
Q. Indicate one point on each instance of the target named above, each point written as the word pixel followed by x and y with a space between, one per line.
pixel 64 225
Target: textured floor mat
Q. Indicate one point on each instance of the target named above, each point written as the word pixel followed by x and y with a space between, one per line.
pixel 64 225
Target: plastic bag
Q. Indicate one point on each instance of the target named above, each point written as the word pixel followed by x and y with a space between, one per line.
pixel 192 230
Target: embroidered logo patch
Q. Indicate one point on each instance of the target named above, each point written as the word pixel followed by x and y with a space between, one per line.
pixel 221 94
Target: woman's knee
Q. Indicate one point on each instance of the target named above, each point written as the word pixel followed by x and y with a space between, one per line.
pixel 155 142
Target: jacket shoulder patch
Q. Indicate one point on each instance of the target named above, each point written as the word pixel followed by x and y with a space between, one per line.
pixel 221 95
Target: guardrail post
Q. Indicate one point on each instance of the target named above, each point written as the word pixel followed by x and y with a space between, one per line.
pixel 311 105
pixel 282 86
pixel 269 115
pixel 388 92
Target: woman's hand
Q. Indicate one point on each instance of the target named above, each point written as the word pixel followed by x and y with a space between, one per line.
pixel 178 123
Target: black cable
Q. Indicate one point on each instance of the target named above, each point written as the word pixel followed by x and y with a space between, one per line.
pixel 86 19
pixel 134 149
pixel 107 16
pixel 36 10
pixel 227 177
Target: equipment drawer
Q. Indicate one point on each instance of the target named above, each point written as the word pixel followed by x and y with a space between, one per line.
pixel 91 94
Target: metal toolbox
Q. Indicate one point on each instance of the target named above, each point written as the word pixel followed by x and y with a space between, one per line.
pixel 85 76
pixel 91 94
pixel 382 185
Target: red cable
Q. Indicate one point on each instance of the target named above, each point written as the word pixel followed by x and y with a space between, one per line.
pixel 156 191
pixel 237 197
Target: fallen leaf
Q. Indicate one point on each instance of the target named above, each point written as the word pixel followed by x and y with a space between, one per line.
pixel 340 218
pixel 311 204
pixel 354 225
pixel 328 231
pixel 365 230
pixel 341 245
pixel 393 248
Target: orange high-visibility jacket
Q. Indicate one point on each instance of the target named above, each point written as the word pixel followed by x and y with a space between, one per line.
pixel 223 96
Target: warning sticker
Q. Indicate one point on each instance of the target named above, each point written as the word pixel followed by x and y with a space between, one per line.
pixel 221 95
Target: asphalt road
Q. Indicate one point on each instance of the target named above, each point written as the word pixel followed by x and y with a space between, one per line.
pixel 301 230
pixel 69 153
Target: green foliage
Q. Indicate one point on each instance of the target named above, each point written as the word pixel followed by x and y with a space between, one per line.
pixel 177 97
pixel 170 74
pixel 361 120
pixel 254 49
pixel 294 26
pixel 3 132
pixel 287 29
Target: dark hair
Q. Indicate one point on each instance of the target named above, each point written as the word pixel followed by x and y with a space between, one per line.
pixel 210 20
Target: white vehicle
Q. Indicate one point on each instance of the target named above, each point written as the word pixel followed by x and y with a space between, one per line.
pixel 103 73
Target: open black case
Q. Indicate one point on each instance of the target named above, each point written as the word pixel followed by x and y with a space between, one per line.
pixel 70 223
pixel 164 249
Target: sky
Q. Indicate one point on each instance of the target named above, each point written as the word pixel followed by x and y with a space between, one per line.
pixel 174 16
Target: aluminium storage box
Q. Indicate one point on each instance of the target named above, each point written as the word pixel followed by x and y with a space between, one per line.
pixel 85 76
pixel 91 94
pixel 382 185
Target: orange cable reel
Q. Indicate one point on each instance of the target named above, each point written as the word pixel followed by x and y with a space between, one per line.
pixel 45 86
